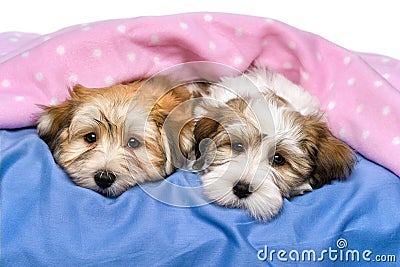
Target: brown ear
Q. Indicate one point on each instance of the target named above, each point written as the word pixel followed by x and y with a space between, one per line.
pixel 172 116
pixel 204 128
pixel 171 100
pixel 52 121
pixel 56 118
pixel 80 91
pixel 333 159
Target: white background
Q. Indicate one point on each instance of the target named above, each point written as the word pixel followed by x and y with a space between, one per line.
pixel 361 25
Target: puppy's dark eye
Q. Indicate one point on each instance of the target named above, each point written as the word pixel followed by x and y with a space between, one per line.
pixel 90 137
pixel 133 143
pixel 238 147
pixel 278 160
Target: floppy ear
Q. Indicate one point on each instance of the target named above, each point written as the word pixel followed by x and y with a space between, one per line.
pixel 80 91
pixel 335 162
pixel 52 121
pixel 172 116
pixel 56 118
pixel 333 159
pixel 205 129
pixel 172 113
pixel 170 100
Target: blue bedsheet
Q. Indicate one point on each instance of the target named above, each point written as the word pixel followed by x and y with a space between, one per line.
pixel 46 220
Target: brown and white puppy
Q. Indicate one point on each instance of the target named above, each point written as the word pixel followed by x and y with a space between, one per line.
pixel 261 138
pixel 110 139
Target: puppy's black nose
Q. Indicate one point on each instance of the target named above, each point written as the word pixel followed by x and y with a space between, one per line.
pixel 104 179
pixel 241 190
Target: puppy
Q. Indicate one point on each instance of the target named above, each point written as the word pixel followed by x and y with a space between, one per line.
pixel 110 139
pixel 260 138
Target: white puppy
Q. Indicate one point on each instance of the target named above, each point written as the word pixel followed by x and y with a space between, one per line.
pixel 259 138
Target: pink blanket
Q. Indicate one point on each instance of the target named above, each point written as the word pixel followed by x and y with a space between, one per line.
pixel 359 92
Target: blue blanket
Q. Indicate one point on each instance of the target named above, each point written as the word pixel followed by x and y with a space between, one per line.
pixel 46 220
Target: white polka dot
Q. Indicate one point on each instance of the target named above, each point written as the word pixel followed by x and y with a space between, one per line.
pixel 351 81
pixel 331 105
pixel 264 43
pixel 305 75
pixel 97 53
pixel 39 76
pixel 319 56
pixel 154 38
pixel 238 61
pixel 5 83
pixel 212 45
pixel 385 60
pixel 292 45
pixel 330 86
pixel 156 60
pixel 109 80
pixel 346 60
pixel 60 50
pixel 73 78
pixel 25 54
pixel 238 31
pixel 131 56
pixel 121 28
pixel 208 18
pixel 386 75
pixel 365 134
pixel 183 25
pixel 360 108
pixel 386 110
pixel 53 101
pixel 19 98
pixel 268 20
pixel 342 133
pixel 85 27
pixel 14 39
pixel 378 83
pixel 46 38
pixel 396 140
pixel 287 65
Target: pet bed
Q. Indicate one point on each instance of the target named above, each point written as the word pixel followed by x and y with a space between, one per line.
pixel 46 220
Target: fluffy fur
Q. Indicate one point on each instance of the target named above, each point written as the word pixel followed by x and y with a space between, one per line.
pixel 260 138
pixel 110 139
